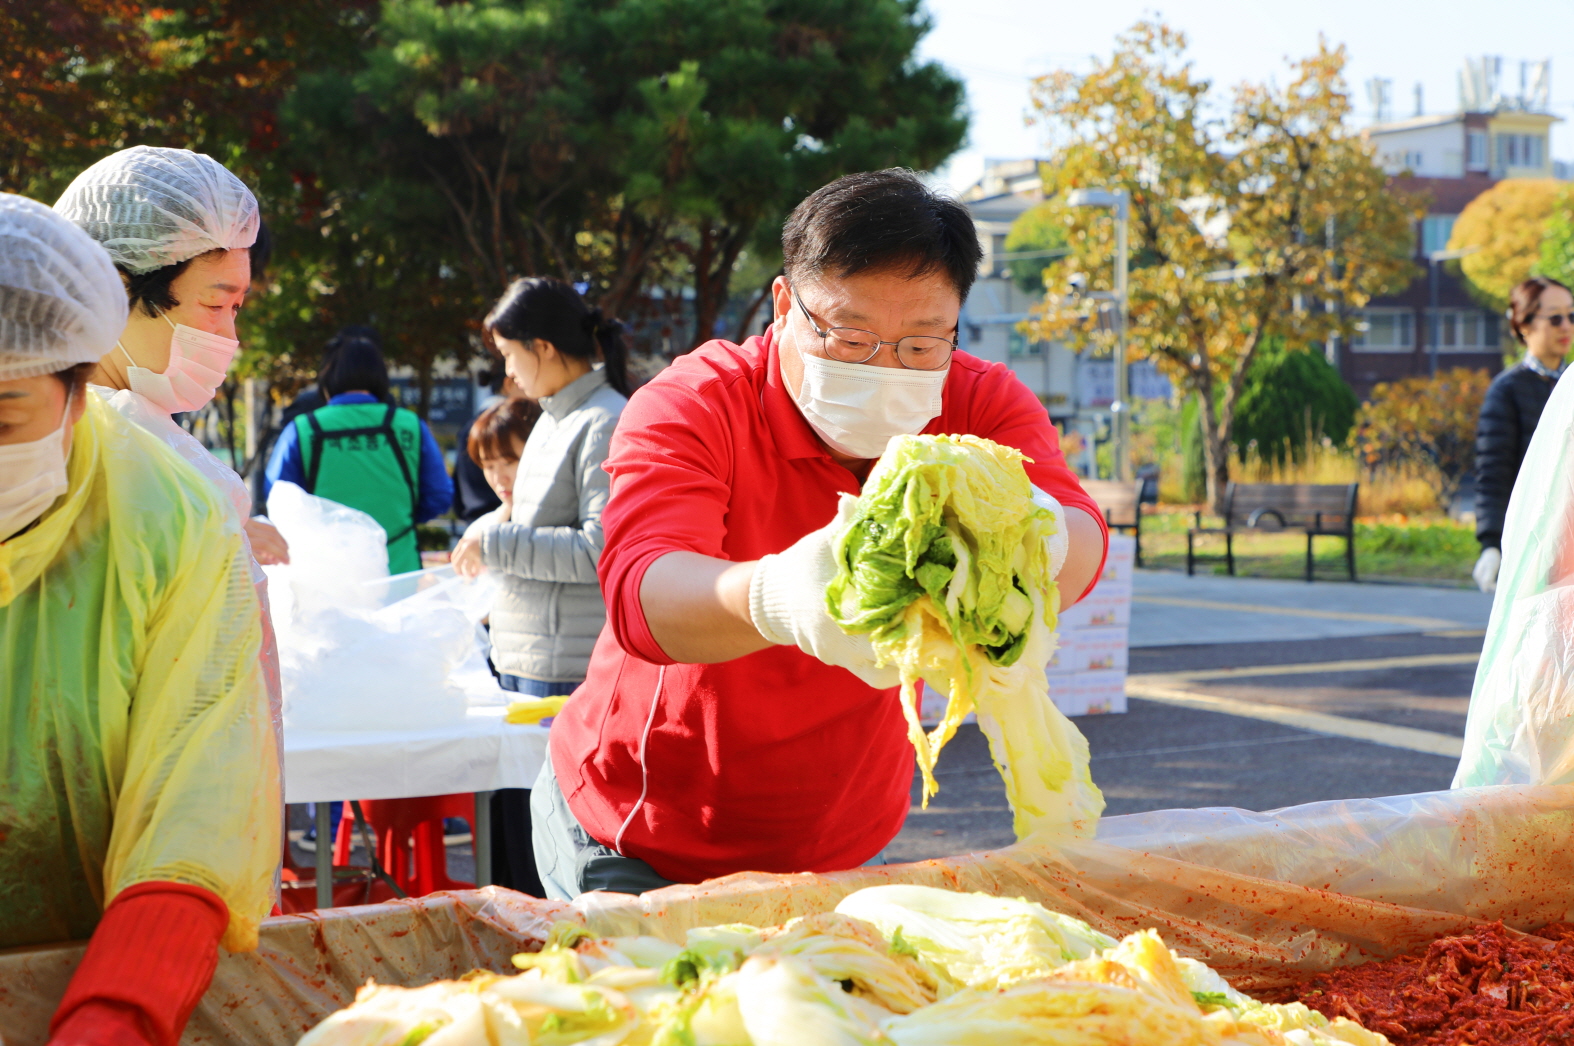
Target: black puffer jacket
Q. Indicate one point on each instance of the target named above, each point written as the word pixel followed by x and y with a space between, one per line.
pixel 1508 419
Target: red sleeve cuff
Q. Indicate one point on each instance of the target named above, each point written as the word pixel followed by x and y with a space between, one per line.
pixel 146 967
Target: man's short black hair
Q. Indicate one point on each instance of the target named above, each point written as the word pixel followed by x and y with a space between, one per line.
pixel 881 220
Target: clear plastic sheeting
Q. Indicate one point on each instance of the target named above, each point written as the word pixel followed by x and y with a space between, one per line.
pixel 336 552
pixel 359 649
pixel 1521 724
pixel 134 697
pixel 1411 868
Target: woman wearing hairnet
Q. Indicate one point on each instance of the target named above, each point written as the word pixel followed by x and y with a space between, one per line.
pixel 139 780
pixel 179 228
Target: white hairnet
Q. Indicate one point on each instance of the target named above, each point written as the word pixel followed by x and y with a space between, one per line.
pixel 151 207
pixel 61 300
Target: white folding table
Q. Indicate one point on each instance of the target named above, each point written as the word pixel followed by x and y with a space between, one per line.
pixel 480 754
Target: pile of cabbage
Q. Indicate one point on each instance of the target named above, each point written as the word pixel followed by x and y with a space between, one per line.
pixel 943 564
pixel 892 965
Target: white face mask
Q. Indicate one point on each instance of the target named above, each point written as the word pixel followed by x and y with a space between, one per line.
pixel 40 466
pixel 197 364
pixel 857 408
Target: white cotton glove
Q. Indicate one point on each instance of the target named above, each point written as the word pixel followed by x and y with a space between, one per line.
pixel 1058 543
pixel 787 603
pixel 1487 568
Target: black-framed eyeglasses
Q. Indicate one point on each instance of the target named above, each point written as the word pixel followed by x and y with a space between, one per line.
pixel 852 345
pixel 1556 319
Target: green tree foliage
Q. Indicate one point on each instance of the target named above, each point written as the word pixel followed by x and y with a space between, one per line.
pixel 1289 399
pixel 101 75
pixel 57 61
pixel 622 141
pixel 411 155
pixel 1241 230
pixel 1427 423
pixel 1194 460
pixel 1557 246
pixel 1037 232
pixel 89 77
pixel 1506 225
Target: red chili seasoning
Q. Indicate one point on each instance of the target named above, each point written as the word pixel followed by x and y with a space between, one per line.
pixel 1489 988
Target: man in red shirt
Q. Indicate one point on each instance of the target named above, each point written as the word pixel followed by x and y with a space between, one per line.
pixel 726 723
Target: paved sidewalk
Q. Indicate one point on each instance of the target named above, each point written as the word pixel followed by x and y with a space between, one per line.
pixel 1171 609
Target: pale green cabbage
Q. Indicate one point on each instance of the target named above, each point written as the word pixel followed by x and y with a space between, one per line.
pixel 1050 1012
pixel 943 564
pixel 972 939
pixel 895 965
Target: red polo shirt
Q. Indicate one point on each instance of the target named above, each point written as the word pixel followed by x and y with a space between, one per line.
pixel 774 761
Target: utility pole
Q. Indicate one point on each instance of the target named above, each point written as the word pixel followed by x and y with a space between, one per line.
pixel 1118 200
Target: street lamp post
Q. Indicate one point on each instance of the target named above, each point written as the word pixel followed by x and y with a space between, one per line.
pixel 1433 327
pixel 1120 202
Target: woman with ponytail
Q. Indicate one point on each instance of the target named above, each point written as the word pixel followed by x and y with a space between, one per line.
pixel 572 360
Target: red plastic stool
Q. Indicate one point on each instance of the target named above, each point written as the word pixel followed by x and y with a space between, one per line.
pixel 395 822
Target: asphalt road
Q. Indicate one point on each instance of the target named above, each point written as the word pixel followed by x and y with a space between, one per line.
pixel 1160 756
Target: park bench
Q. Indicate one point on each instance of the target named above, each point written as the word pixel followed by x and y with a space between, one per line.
pixel 1121 503
pixel 1317 509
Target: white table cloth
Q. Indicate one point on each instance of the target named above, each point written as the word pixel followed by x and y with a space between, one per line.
pixel 480 754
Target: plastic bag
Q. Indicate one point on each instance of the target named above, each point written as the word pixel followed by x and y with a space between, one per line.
pixel 335 553
pixel 1520 729
pixel 360 650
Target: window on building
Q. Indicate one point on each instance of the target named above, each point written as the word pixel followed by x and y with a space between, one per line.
pixel 1412 160
pixel 1385 330
pixel 1019 347
pixel 1435 231
pixel 1521 150
pixel 1476 150
pixel 1462 330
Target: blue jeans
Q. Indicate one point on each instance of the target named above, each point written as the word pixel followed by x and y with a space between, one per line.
pixel 570 861
pixel 535 687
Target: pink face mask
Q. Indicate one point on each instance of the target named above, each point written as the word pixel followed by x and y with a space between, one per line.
pixel 197 364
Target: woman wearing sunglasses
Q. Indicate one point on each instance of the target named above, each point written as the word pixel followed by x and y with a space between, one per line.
pixel 1541 318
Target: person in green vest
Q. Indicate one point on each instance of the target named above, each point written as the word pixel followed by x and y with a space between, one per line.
pixel 363 451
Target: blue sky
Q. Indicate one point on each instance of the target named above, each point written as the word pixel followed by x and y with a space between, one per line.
pixel 997 46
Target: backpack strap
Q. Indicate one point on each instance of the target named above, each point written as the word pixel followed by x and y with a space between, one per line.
pixel 387 428
pixel 314 445
pixel 319 436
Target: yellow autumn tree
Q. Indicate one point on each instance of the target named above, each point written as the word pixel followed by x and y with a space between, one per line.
pixel 1272 223
pixel 1506 225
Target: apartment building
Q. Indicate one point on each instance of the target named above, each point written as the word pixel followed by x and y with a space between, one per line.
pixel 1434 324
pixel 1076 388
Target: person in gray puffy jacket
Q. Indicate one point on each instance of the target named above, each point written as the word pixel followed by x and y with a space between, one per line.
pixel 548 611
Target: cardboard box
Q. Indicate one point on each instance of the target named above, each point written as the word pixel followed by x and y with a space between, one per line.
pixel 1089 693
pixel 1090 650
pixel 1116 589
pixel 1121 560
pixel 1101 609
